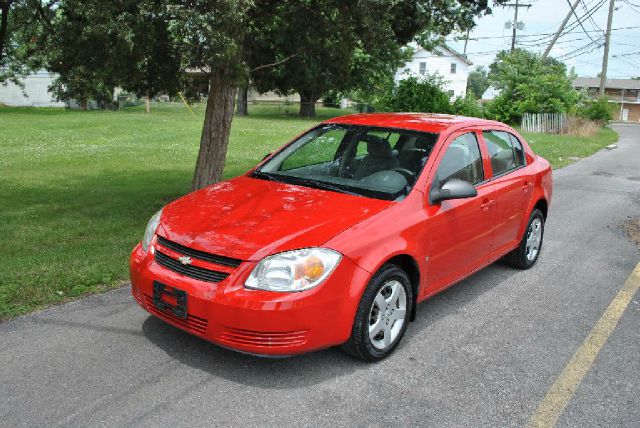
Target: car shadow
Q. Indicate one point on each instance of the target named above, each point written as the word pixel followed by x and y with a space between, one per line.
pixel 316 367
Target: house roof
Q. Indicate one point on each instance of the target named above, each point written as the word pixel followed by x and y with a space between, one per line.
pixel 455 53
pixel 594 82
pixel 442 46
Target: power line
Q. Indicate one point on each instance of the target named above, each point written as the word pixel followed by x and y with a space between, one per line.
pixel 593 22
pixel 573 25
pixel 578 19
pixel 632 6
pixel 551 34
pixel 626 54
pixel 583 50
pixel 628 62
pixel 554 39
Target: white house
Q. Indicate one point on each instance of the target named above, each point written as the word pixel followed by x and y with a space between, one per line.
pixel 490 94
pixel 35 93
pixel 450 65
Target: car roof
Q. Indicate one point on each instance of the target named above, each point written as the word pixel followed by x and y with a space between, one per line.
pixel 426 122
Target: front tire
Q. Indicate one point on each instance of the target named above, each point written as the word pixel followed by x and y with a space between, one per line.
pixel 382 316
pixel 527 252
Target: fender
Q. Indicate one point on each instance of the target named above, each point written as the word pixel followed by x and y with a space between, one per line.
pixel 542 189
pixel 407 237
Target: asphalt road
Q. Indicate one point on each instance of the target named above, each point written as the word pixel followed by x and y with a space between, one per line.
pixel 483 353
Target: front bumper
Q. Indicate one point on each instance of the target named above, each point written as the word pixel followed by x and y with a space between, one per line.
pixel 255 321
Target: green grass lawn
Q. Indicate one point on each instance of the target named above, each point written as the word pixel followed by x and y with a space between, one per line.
pixel 77 188
pixel 561 150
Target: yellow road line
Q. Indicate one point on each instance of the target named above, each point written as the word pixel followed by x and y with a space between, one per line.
pixel 565 386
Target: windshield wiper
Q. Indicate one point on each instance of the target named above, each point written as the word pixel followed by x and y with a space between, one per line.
pixel 322 185
pixel 265 175
pixel 302 181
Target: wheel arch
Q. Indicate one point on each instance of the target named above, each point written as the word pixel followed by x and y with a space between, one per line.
pixel 409 265
pixel 543 206
pixel 540 203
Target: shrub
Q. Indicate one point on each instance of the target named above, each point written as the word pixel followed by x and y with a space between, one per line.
pixel 420 95
pixel 467 106
pixel 600 111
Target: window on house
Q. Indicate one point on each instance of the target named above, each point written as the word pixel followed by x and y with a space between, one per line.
pixel 423 68
pixel 453 68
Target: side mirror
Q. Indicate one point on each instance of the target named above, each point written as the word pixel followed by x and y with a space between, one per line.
pixel 267 155
pixel 453 189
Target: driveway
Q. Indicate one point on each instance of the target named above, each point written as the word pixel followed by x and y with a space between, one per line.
pixel 485 352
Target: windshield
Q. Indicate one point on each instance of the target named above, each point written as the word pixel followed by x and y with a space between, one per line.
pixel 381 163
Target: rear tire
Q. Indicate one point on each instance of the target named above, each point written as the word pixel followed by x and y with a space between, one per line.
pixel 382 315
pixel 528 251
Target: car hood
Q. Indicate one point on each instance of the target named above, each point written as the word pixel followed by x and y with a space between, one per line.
pixel 249 218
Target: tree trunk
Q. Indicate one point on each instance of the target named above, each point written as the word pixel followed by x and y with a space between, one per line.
pixel 147 105
pixel 243 96
pixel 308 104
pixel 4 24
pixel 215 131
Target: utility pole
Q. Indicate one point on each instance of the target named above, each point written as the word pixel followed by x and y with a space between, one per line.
pixel 564 23
pixel 605 57
pixel 516 6
pixel 466 41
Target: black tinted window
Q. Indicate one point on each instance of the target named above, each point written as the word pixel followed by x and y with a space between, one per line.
pixel 500 151
pixel 462 160
pixel 518 150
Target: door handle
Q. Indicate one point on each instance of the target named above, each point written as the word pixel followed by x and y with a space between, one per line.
pixel 526 186
pixel 486 204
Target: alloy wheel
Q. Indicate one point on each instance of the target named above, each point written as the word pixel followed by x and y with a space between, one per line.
pixel 387 314
pixel 534 239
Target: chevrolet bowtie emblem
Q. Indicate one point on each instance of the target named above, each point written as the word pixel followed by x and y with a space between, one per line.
pixel 185 260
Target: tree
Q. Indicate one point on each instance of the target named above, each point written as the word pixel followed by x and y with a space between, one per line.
pixel 529 83
pixel 126 44
pixel 150 45
pixel 229 41
pixel 336 45
pixel 477 82
pixel 82 85
pixel 24 27
pixel 321 44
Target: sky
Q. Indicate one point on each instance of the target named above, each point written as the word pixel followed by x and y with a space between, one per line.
pixel 575 48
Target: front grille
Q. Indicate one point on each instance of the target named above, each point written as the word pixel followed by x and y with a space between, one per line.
pixel 200 255
pixel 263 338
pixel 191 323
pixel 189 270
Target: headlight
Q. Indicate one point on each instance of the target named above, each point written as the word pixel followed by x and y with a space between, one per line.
pixel 150 230
pixel 296 270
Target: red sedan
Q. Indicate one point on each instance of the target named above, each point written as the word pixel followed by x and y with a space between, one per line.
pixel 334 238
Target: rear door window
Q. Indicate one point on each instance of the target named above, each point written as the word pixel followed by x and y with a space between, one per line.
pixel 518 150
